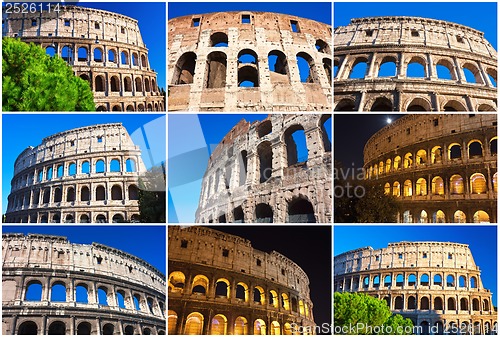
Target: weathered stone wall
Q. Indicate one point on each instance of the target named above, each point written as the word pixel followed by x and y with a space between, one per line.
pixel 432 283
pixel 51 183
pixel 104 48
pixel 442 168
pixel 52 260
pixel 376 41
pixel 254 174
pixel 206 77
pixel 237 280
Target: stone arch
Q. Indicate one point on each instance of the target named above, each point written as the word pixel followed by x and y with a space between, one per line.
pixel 459 217
pixel 98 57
pixel 382 104
pixel 185 68
pixel 112 56
pixel 99 83
pixel 138 84
pixel 219 39
pixel 57 328
pixel 419 104
pixel 326 137
pixel 388 65
pixel 194 324
pixel 34 290
pixel 135 59
pixel 445 70
pixel 454 151
pixel 259 327
pixel 83 54
pixel 418 65
pixel 144 62
pixel 58 292
pixel 451 305
pixel 215 76
pixel 84 328
pixel 67 54
pixel 437 187
pixel 248 76
pixel 124 57
pixel 240 326
pixel 475 149
pixel 304 61
pixel 292 134
pixel 424 303
pixel 346 104
pixel 478 184
pixel 147 89
pixel 474 71
pixel 456 184
pixel 359 68
pixel 200 285
pixel 323 47
pixel 27 328
pixel 278 67
pixel 485 107
pixel 265 154
pixel 263 213
pixel 116 192
pixel 222 288
pixel 453 105
pixel 300 210
pixel 114 83
pixel 127 83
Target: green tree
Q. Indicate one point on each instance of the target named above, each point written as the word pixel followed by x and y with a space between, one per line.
pixel 34 81
pixel 375 205
pixel 152 195
pixel 362 314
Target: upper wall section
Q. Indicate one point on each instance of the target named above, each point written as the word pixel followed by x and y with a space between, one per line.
pixel 399 30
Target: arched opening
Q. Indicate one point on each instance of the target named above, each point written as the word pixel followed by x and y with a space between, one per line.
pixel 219 39
pixel 437 187
pixel 387 67
pixel 424 303
pixel 326 132
pixel 481 217
pixel 222 288
pixel 407 188
pixel 459 217
pixel 84 218
pixel 396 189
pixel 118 218
pixel 216 70
pixel 444 70
pixel 194 324
pixel 129 330
pixel 265 155
pixel 28 328
pixel 185 69
pixel 242 292
pixel 296 145
pixel 453 106
pixel 57 328
pixel 416 68
pixel 418 104
pixel 51 51
pixel 398 303
pixel 124 57
pixel 176 282
pixel 144 62
pixel 424 280
pixel 238 215
pixel 116 192
pixel 98 55
pixel 85 194
pixel 84 328
pixel 240 326
pixel 135 60
pixel 423 218
pixel 464 305
pixel 82 54
pixel 100 193
pixel 248 77
pixel 421 187
pixel 472 74
pixel 278 67
pixel 111 56
pixel 306 67
pixel 108 329
pixel 359 68
pixel 259 327
pixel 57 194
pixel 172 322
pixel 133 192
pixel 58 292
pixel 200 285
pixel 345 105
pixel 451 304
pixel 263 213
pixel 322 47
pixel 382 104
pixel 485 107
pixel 115 84
pixel 127 84
pixel 34 291
pixel 475 304
pixel 102 296
pixel 300 211
pixel 456 184
pixel 67 54
pixel 478 183
pixel 275 328
pixel 475 149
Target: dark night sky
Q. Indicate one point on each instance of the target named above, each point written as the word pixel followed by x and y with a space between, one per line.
pixel 308 246
pixel 352 131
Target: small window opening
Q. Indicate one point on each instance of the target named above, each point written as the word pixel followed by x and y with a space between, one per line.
pixel 184 244
pixel 99 139
pixel 450 256
pixel 123 30
pixel 97 26
pixel 471 115
pixel 99 260
pixel 33 22
pixel 414 33
pixel 424 255
pixel 295 26
pixel 245 18
pixel 408 131
pixel 460 39
pixel 67 23
pixel 369 32
pixel 196 22
pixel 400 256
pixel 225 252
pixel 283 272
pixel 436 122
pixel 259 262
pixel 130 268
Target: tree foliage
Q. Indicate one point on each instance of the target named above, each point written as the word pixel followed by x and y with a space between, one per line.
pixel 34 81
pixel 152 195
pixel 368 316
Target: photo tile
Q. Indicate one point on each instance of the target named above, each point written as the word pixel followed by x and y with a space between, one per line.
pixel 414 279
pixel 84 168
pixel 243 280
pixel 250 57
pixel 114 273
pixel 415 168
pixel 415 56
pixel 84 56
pixel 236 168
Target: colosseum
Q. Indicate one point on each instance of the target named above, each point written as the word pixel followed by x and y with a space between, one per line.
pixel 249 61
pixel 51 286
pixel 255 174
pixel 435 284
pixel 220 285
pixel 104 48
pixel 400 63
pixel 442 168
pixel 88 174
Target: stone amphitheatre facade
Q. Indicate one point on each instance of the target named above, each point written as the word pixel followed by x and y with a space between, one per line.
pixel 383 49
pixel 53 287
pixel 89 174
pixel 220 285
pixel 255 175
pixel 104 48
pixel 441 168
pixel 435 284
pixel 248 61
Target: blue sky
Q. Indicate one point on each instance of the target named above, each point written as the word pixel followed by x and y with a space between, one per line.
pixel 145 242
pixel 319 11
pixel 482 241
pixel 192 138
pixel 38 126
pixel 151 17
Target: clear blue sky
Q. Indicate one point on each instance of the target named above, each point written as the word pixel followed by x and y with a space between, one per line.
pixel 319 11
pixel 191 141
pixel 151 17
pixel 38 126
pixel 145 242
pixel 482 241
pixel 464 13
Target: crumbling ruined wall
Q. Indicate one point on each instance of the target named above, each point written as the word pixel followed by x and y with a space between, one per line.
pixel 254 174
pixel 195 41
